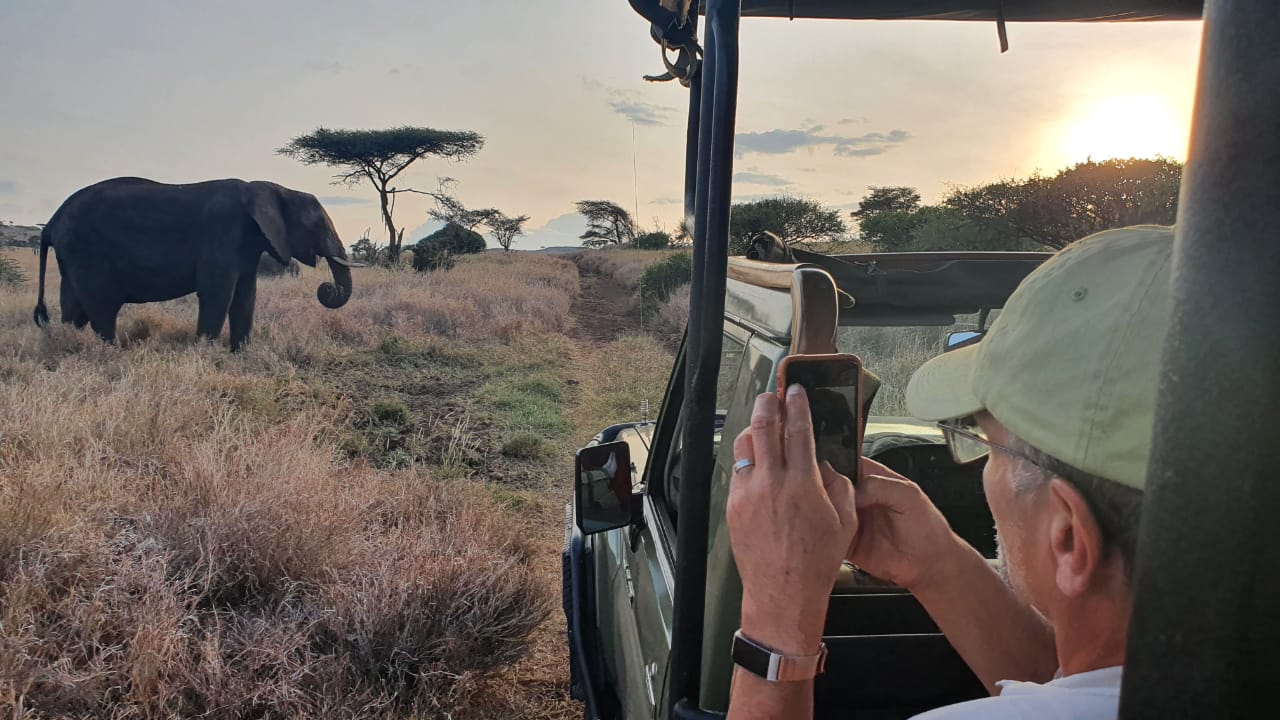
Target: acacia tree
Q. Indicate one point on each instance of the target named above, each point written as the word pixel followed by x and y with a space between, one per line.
pixel 449 209
pixel 794 219
pixel 505 229
pixel 1057 210
pixel 380 156
pixel 608 223
pixel 887 199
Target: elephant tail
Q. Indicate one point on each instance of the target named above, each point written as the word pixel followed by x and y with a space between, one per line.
pixel 41 313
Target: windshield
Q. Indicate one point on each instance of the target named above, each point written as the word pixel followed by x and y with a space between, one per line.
pixel 894 353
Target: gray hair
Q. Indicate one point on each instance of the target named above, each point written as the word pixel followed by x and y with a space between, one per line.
pixel 1116 508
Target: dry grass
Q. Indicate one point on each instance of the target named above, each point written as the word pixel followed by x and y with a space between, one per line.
pixel 485 298
pixel 893 354
pixel 625 266
pixel 615 377
pixel 181 536
pixel 671 318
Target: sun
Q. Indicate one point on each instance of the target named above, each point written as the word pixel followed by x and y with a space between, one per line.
pixel 1125 126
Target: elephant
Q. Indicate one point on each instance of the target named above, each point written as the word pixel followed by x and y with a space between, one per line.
pixel 132 240
pixel 268 267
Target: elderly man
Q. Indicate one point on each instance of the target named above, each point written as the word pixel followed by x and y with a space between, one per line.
pixel 1059 397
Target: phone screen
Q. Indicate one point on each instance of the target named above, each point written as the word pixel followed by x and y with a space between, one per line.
pixel 832 387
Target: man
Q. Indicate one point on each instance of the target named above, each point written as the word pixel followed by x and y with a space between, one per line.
pixel 1060 397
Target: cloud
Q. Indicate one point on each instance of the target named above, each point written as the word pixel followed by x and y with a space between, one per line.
pixel 755 178
pixel 342 200
pixel 562 231
pixel 8 187
pixel 781 142
pixel 640 113
pixel 667 201
pixel 629 104
pixel 860 120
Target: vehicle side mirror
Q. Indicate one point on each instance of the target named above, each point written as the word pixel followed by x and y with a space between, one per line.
pixel 603 499
pixel 960 338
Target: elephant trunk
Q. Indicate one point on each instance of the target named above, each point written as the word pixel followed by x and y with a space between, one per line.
pixel 335 294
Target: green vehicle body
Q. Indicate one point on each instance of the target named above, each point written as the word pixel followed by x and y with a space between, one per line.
pixel 621 636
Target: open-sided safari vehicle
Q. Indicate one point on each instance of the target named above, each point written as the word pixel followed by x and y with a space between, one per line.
pixel 651 593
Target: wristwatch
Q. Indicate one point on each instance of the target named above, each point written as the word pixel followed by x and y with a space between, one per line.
pixel 776 667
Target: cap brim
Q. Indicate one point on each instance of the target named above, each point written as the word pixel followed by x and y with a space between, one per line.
pixel 943 387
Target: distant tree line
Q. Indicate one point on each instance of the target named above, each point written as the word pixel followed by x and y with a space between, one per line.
pixel 1041 212
pixel 1036 213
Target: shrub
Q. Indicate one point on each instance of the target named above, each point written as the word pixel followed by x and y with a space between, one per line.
pixel 436 251
pixel 10 273
pixel 671 318
pixel 525 446
pixel 663 277
pixel 654 240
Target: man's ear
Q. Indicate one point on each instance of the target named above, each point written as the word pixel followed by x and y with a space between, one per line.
pixel 1075 539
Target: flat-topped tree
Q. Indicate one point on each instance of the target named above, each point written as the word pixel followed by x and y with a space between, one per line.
pixel 505 228
pixel 379 156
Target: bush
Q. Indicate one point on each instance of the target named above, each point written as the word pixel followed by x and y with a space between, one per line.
pixel 10 273
pixel 655 240
pixel 671 317
pixel 526 446
pixel 663 277
pixel 437 250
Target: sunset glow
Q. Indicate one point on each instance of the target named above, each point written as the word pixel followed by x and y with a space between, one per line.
pixel 1125 126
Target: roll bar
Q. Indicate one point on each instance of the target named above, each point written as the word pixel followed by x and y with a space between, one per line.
pixel 713 108
pixel 1207 648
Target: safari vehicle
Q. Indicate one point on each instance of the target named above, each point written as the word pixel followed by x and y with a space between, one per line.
pixel 651 593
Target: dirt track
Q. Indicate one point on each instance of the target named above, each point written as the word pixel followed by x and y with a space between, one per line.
pixel 603 310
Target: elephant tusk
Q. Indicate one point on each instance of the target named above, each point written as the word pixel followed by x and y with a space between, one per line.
pixel 341 261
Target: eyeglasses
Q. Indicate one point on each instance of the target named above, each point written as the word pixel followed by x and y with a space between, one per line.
pixel 968 443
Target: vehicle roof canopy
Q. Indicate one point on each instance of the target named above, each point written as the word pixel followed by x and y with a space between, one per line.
pixel 1013 10
pixel 885 289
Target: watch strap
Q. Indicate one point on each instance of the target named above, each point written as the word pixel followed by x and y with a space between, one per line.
pixel 761 661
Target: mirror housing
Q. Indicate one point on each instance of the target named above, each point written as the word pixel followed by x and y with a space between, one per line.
pixel 602 497
pixel 961 338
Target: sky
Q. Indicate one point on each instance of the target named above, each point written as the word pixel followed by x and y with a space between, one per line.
pixel 180 92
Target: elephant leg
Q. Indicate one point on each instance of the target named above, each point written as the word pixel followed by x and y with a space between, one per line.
pixel 242 302
pixel 214 293
pixel 72 311
pixel 102 317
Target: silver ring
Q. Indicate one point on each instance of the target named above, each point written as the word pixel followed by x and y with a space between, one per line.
pixel 742 464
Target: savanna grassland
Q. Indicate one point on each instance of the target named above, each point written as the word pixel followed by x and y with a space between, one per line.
pixel 359 515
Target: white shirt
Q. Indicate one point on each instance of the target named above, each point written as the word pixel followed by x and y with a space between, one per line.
pixel 1092 695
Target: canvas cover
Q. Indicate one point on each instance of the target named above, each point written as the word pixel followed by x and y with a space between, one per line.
pixel 1014 10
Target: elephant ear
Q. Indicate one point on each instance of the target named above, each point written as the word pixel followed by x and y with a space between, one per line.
pixel 265 204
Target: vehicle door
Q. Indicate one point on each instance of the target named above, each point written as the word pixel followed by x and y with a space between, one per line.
pixel 641 591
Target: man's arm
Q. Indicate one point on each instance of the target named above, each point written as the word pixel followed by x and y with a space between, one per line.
pixel 999 636
pixel 902 537
pixel 790 523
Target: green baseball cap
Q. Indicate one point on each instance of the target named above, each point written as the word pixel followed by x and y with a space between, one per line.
pixel 1071 363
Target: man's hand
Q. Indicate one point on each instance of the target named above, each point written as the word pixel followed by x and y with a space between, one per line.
pixel 902 537
pixel 790 524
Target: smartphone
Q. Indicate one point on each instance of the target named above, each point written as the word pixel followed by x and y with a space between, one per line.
pixel 835 404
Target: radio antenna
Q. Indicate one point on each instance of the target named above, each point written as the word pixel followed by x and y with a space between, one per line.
pixel 635 186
